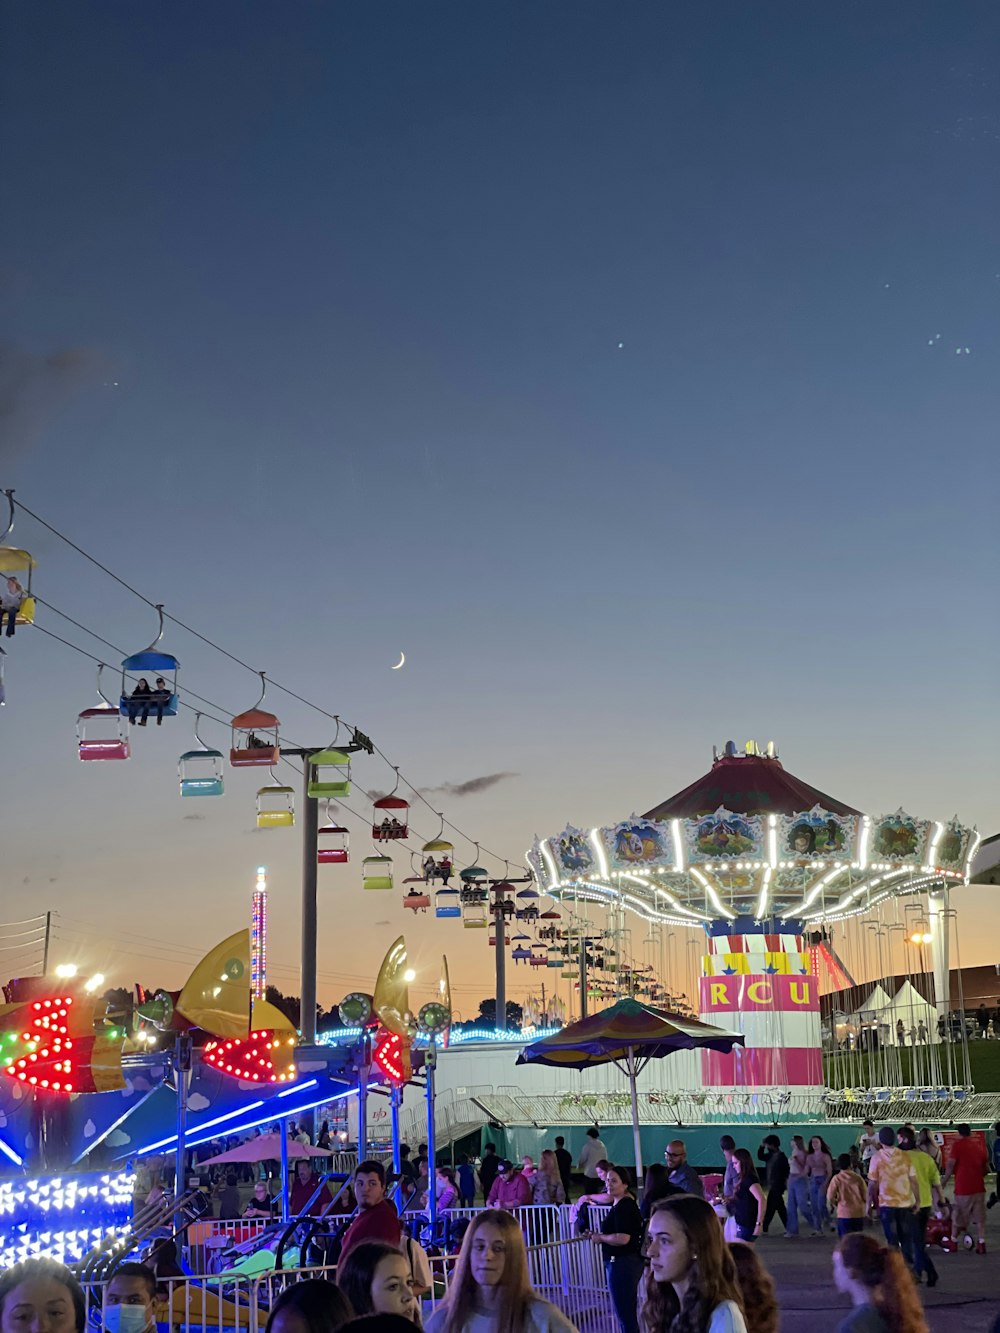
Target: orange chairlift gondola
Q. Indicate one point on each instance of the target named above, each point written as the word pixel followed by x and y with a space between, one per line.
pixel 275 805
pixel 200 772
pixel 417 900
pixel 161 697
pixel 255 736
pixel 16 564
pixel 390 816
pixel 101 731
pixel 333 842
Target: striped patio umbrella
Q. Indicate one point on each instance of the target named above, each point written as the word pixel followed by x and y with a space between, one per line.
pixel 628 1035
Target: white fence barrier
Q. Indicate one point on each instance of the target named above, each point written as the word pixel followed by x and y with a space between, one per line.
pixel 565 1269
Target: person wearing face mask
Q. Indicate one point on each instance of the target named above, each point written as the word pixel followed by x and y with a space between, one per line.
pixel 376 1279
pixel 129 1299
pixel 691 1283
pixel 41 1293
pixel 490 1291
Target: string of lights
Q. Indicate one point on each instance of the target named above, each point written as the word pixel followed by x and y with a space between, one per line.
pixel 278 685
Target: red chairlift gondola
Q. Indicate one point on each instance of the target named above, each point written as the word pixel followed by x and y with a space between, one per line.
pixel 101 731
pixel 390 818
pixel 255 736
pixel 333 843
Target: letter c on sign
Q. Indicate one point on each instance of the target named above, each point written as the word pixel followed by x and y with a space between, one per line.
pixel 759 992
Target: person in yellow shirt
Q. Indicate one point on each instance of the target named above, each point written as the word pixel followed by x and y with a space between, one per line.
pixel 893 1189
pixel 846 1196
pixel 929 1188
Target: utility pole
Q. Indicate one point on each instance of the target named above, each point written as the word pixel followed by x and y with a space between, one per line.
pixel 310 827
pixel 583 976
pixel 500 926
pixel 45 949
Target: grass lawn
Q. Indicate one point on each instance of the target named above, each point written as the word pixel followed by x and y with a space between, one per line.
pixel 984 1060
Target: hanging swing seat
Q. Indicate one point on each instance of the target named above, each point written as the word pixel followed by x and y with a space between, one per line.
pixel 111 738
pixel 376 872
pixel 200 772
pixel 330 774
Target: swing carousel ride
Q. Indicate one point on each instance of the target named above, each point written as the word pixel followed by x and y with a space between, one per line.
pixel 776 884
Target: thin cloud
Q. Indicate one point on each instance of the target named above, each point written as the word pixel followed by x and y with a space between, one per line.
pixel 472 786
pixel 32 386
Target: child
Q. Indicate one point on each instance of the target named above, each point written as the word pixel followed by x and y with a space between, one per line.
pixel 466 1182
pixel 848 1195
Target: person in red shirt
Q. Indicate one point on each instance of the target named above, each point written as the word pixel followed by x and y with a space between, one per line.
pixel 377 1218
pixel 968 1163
pixel 304 1186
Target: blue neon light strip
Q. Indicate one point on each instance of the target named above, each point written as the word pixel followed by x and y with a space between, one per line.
pixel 8 1151
pixel 242 1129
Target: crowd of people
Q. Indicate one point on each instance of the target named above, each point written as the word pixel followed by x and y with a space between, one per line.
pixel 683 1260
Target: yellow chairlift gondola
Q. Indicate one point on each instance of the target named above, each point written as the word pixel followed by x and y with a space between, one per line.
pixel 200 772
pixel 16 566
pixel 275 806
pixel 474 917
pixel 255 736
pixel 376 872
pixel 101 731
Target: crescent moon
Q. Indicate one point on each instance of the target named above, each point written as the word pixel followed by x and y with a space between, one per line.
pixel 402 659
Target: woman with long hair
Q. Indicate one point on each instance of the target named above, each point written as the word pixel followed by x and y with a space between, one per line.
pixel 760 1300
pixel 620 1238
pixel 490 1288
pixel 747 1203
pixel 41 1293
pixel 691 1286
pixel 312 1306
pixel 819 1161
pixel 546 1184
pixel 376 1279
pixel 656 1186
pixel 880 1286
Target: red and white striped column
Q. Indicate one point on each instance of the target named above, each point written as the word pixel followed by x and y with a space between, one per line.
pixel 762 986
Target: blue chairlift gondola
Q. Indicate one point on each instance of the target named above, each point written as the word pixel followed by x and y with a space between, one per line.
pixel 201 771
pixel 161 698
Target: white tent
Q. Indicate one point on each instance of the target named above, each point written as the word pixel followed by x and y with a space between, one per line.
pixel 910 1006
pixel 871 1010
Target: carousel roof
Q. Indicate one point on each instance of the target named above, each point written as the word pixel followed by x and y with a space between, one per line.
pixel 751 784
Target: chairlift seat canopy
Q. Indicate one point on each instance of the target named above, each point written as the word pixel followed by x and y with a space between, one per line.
pixel 390 803
pixel 473 872
pixel 15 560
pixel 439 845
pixel 150 660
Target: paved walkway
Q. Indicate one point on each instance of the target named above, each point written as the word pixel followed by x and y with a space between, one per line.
pixel 966 1299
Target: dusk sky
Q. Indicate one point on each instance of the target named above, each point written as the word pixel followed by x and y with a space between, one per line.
pixel 633 368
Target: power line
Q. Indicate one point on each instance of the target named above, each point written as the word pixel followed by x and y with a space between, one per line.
pixel 278 685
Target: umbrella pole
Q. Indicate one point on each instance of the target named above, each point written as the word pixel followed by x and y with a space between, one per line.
pixel 636 1137
pixel 284 1170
